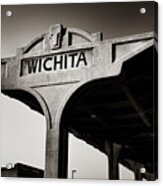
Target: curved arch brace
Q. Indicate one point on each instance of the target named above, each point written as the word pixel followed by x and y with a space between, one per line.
pixel 33 43
pixel 40 101
pixel 67 97
pixel 45 108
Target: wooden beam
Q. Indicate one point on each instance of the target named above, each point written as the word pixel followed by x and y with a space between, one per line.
pixel 107 105
pixel 137 107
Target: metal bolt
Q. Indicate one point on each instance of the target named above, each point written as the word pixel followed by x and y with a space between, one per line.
pixel 142 170
pixel 8 13
pixel 142 10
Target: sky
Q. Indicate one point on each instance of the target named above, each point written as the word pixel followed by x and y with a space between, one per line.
pixel 23 131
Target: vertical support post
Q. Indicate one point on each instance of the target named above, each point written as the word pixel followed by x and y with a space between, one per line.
pixel 138 174
pixel 63 152
pixel 52 153
pixel 113 151
pixel 56 153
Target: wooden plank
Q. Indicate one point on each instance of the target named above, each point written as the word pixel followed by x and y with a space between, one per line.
pixel 137 107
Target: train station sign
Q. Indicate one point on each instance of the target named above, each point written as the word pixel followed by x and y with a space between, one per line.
pixel 54 62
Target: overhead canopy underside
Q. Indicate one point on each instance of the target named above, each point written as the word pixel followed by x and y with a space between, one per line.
pixel 122 110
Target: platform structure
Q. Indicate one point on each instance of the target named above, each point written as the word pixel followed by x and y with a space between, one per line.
pixel 103 91
pixel 22 170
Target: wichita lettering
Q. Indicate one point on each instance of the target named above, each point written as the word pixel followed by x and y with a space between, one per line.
pixel 53 63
